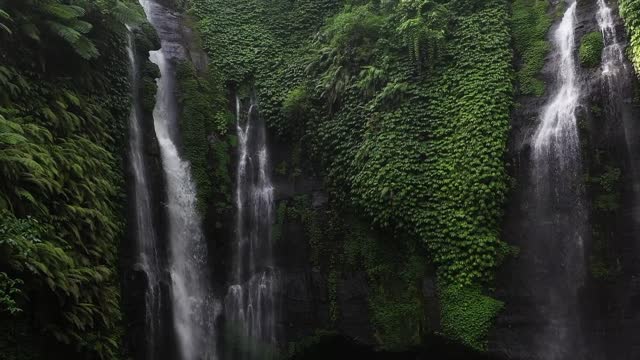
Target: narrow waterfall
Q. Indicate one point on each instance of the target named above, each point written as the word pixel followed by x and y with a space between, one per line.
pixel 193 306
pixel 616 77
pixel 616 70
pixel 145 234
pixel 249 304
pixel 558 212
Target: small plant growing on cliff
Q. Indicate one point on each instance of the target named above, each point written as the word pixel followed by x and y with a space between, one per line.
pixel 591 49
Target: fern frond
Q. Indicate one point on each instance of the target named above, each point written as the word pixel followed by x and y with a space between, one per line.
pixel 63 11
pixel 85 48
pixel 80 26
pixel 69 34
pixel 7 138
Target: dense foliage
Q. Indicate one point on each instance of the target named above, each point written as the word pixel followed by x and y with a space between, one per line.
pixel 204 124
pixel 62 121
pixel 630 12
pixel 405 106
pixel 530 24
pixel 590 52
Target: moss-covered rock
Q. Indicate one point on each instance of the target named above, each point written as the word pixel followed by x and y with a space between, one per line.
pixel 590 52
pixel 530 23
pixel 468 314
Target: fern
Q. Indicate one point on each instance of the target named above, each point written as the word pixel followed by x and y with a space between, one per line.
pixel 63 11
pixel 6 18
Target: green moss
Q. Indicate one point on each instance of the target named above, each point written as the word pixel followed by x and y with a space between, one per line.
pixel 467 314
pixel 281 217
pixel 530 24
pixel 590 52
pixel 605 186
pixel 297 102
pixel 395 271
pixel 148 75
pixel 608 184
pixel 204 122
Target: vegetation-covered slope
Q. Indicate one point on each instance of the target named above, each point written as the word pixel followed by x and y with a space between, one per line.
pixel 405 104
pixel 64 102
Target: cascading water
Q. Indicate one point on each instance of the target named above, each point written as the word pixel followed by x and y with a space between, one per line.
pixel 249 304
pixel 557 134
pixel 617 75
pixel 616 70
pixel 558 214
pixel 193 306
pixel 145 234
pixel 619 229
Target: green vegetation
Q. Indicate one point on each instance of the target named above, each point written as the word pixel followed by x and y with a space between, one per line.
pixel 405 107
pixel 62 126
pixel 204 118
pixel 395 269
pixel 590 52
pixel 530 23
pixel 401 106
pixel 606 187
pixel 468 314
pixel 630 12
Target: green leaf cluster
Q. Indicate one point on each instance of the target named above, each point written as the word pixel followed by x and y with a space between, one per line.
pixel 530 23
pixel 467 314
pixel 62 131
pixel 204 122
pixel 43 20
pixel 630 12
pixel 590 52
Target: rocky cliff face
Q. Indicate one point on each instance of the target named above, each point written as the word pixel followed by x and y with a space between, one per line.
pixel 304 291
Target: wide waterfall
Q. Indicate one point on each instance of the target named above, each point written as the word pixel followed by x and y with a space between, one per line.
pixel 558 213
pixel 193 306
pixel 145 234
pixel 249 304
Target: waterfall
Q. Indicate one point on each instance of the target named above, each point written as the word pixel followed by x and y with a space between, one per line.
pixel 557 134
pixel 615 68
pixel 249 304
pixel 558 214
pixel 617 76
pixel 145 234
pixel 193 306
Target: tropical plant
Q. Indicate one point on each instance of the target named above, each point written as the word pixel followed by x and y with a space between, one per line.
pixel 40 19
pixel 347 43
pixel 423 26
